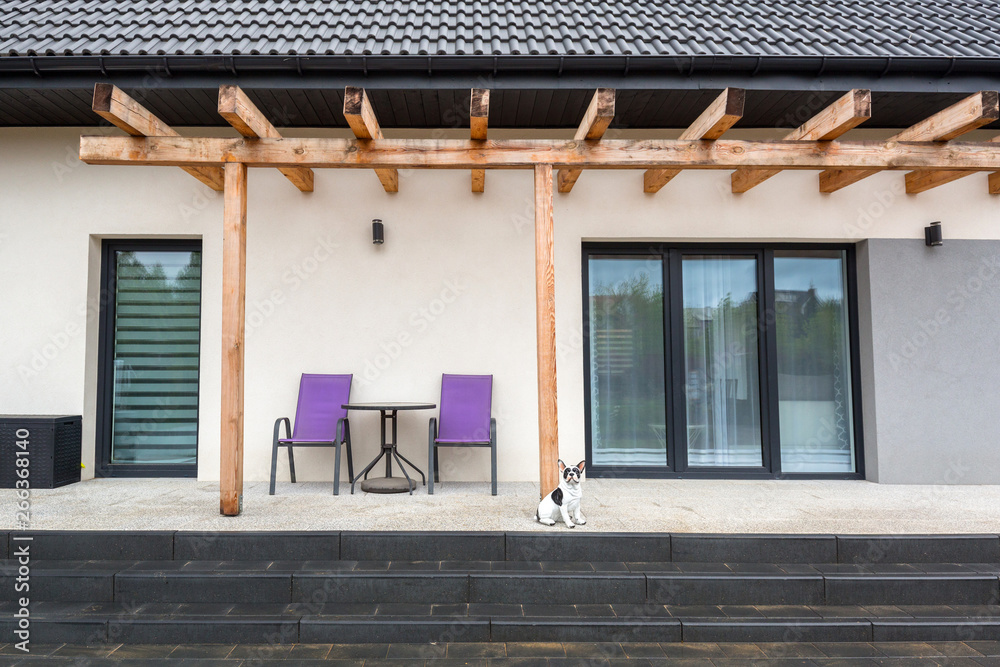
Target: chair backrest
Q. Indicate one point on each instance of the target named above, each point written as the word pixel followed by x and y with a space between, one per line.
pixel 320 398
pixel 465 408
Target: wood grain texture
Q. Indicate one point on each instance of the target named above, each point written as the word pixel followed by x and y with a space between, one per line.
pixel 361 117
pixel 847 112
pixel 234 245
pixel 720 115
pixel 525 154
pixel 240 112
pixel 479 115
pixel 994 183
pixel 973 112
pixel 113 105
pixel 596 119
pixel 545 313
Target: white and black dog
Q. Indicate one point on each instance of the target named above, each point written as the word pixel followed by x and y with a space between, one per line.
pixel 565 500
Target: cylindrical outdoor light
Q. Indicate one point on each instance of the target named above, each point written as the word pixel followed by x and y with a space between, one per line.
pixel 932 234
pixel 378 232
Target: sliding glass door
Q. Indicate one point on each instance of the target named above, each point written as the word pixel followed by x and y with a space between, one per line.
pixel 729 361
pixel 150 340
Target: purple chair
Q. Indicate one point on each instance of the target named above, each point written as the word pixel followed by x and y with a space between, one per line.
pixel 465 421
pixel 319 422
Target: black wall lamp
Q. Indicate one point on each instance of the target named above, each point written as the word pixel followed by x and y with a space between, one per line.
pixel 932 234
pixel 378 232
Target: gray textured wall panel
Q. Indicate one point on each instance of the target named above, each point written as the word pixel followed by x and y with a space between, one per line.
pixel 935 360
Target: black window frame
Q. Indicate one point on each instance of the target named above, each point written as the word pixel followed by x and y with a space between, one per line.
pixel 105 375
pixel 675 466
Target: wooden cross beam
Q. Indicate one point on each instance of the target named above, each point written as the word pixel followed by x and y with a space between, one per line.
pixel 113 105
pixel 596 119
pixel 479 115
pixel 361 117
pixel 971 113
pixel 526 154
pixel 243 114
pixel 847 112
pixel 922 181
pixel 720 115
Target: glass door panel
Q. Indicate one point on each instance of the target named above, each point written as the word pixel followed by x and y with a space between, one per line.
pixel 627 379
pixel 153 369
pixel 814 363
pixel 721 365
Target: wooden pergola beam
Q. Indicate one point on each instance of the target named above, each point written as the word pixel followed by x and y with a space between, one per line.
pixel 479 116
pixel 545 323
pixel 720 115
pixel 596 119
pixel 112 104
pixel 234 279
pixel 526 154
pixel 922 181
pixel 361 117
pixel 243 114
pixel 847 112
pixel 971 113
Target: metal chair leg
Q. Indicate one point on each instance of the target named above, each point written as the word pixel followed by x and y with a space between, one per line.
pixel 291 463
pixel 350 455
pixel 431 451
pixel 274 465
pixel 493 454
pixel 336 470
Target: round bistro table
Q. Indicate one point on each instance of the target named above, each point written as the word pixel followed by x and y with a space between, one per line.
pixel 389 484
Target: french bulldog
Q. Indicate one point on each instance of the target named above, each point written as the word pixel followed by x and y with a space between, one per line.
pixel 565 499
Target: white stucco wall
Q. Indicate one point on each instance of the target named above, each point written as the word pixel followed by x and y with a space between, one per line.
pixel 452 289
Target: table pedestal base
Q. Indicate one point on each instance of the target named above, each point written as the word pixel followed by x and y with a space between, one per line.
pixel 388 485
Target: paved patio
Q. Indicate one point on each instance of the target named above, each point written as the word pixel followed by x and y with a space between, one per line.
pixel 690 506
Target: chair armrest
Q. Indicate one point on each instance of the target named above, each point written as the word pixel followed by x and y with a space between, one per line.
pixel 432 430
pixel 493 430
pixel 277 427
pixel 341 423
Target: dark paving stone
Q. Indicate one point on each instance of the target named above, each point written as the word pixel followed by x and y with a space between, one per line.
pixel 423 546
pixel 594 650
pixel 63 586
pixel 544 589
pixel 758 568
pixel 916 590
pixel 956 649
pixel 393 630
pixel 457 609
pixel 591 629
pixel 921 630
pixel 414 566
pixel 68 630
pixel 919 549
pixel 849 649
pixel 466 565
pixel 173 630
pixel 907 650
pixel 516 566
pixel 309 651
pixel 335 608
pixel 243 545
pixel 790 650
pixel 312 566
pixel 640 611
pixel 642 650
pixel 399 587
pixel 142 651
pixel 693 650
pixel 83 651
pixel 255 652
pixel 589 547
pixel 987 648
pixel 757 630
pixel 100 545
pixel 358 651
pixel 184 651
pixel 652 567
pixel 703 568
pixel 425 651
pixel 476 650
pixel 402 609
pixel 695 611
pixel 595 610
pixel 494 609
pixel 753 548
pixel 205 587
pixel 786 611
pixel 841 611
pixel 564 610
pixel 735 589
pixel 535 650
pixel 740 611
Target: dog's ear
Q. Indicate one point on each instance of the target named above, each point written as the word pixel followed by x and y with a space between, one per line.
pixel 581 464
pixel 562 466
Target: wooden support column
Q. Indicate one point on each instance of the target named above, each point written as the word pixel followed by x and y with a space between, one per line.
pixel 545 312
pixel 720 115
pixel 971 113
pixel 595 123
pixel 243 114
pixel 361 117
pixel 234 273
pixel 113 105
pixel 846 113
pixel 479 116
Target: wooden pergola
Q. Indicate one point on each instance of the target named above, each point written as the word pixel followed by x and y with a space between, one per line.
pixel 925 151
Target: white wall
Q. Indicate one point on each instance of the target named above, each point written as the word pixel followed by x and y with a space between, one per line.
pixel 453 286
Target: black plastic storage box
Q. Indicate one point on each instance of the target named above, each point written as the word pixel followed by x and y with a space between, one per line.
pixel 53 448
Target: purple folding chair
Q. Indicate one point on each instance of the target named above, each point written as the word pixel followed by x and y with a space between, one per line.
pixel 319 422
pixel 465 421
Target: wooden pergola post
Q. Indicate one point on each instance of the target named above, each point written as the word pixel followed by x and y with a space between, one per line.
pixel 234 274
pixel 545 309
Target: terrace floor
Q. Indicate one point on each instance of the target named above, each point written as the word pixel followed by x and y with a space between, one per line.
pixel 619 505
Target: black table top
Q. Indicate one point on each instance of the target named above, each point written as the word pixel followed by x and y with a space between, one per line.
pixel 399 405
